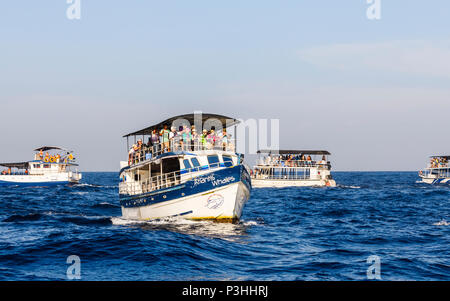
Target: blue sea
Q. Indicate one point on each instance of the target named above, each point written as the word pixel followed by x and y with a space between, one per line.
pixel 284 234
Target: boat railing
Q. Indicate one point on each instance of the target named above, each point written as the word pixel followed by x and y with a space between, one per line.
pixel 145 152
pixel 295 163
pixel 439 165
pixel 284 176
pixel 435 173
pixel 154 183
pixel 165 180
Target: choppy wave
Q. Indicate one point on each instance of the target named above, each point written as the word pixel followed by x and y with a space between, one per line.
pixel 442 223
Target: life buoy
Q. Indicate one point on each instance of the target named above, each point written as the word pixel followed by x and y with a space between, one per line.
pixel 52 159
pixel 46 159
pixel 328 183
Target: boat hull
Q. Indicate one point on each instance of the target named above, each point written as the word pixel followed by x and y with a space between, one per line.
pixel 39 180
pixel 436 180
pixel 257 183
pixel 219 196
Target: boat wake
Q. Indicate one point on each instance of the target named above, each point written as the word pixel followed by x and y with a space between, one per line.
pixel 226 231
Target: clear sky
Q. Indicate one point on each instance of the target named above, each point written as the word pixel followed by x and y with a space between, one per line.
pixel 375 93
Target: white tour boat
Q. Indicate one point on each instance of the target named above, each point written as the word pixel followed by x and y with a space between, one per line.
pixel 47 169
pixel 188 175
pixel 437 172
pixel 284 168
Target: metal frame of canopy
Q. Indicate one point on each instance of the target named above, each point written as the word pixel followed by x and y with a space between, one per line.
pixel 18 165
pixel 47 148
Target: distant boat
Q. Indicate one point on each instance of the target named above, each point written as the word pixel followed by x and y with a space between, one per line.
pixel 285 168
pixel 437 172
pixel 192 177
pixel 47 169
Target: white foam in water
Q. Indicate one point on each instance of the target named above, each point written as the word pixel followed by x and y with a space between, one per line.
pixel 350 186
pixel 92 185
pixel 442 223
pixel 79 192
pixel 250 223
pixel 119 221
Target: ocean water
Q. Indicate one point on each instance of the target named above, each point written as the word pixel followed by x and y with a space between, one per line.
pixel 284 234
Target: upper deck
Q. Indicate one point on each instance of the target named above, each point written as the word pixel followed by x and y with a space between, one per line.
pixel 304 159
pixel 188 133
pixel 47 159
pixel 439 162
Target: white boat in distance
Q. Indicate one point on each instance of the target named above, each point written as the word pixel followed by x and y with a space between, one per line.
pixel 437 172
pixel 54 168
pixel 189 176
pixel 285 168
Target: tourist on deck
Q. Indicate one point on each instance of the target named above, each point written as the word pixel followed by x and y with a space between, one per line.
pixel 131 154
pixel 155 141
pixel 186 138
pixel 195 139
pixel 211 139
pixel 164 134
pixel 139 150
pixel 203 138
pixel 224 139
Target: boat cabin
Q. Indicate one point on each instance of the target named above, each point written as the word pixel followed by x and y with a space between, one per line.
pixel 292 164
pixel 177 150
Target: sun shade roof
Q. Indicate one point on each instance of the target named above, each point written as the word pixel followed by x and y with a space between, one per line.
pixel 443 156
pixel 226 122
pixel 18 165
pixel 47 148
pixel 295 152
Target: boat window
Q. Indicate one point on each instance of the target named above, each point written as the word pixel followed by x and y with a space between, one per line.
pixel 170 165
pixel 36 165
pixel 46 165
pixel 187 164
pixel 227 161
pixel 195 162
pixel 213 161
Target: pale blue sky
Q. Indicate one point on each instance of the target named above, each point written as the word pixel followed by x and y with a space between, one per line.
pixel 374 93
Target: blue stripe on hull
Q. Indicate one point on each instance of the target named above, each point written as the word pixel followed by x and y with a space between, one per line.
pixel 194 186
pixel 28 184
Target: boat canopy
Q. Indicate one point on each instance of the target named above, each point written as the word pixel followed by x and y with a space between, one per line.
pixel 294 152
pixel 47 148
pixel 18 165
pixel 191 118
pixel 443 156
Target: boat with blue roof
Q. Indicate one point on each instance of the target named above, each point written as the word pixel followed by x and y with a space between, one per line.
pixel 189 168
pixel 51 166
